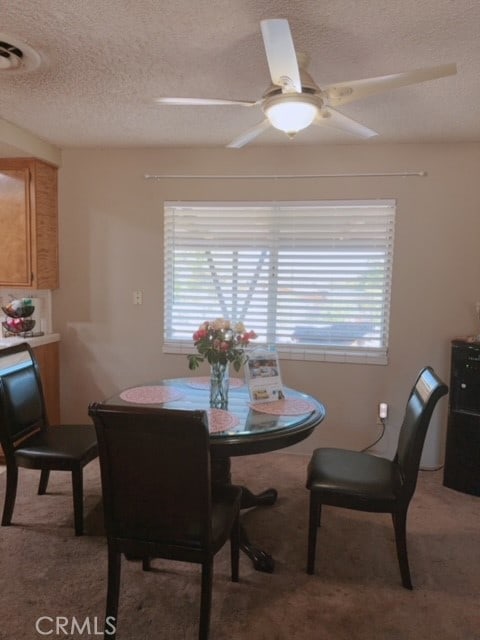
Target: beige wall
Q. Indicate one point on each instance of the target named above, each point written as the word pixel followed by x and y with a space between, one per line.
pixel 111 222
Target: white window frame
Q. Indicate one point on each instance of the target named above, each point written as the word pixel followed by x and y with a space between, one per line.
pixel 353 232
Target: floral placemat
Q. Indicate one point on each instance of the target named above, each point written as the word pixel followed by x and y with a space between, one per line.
pixel 203 382
pixel 285 407
pixel 220 420
pixel 151 395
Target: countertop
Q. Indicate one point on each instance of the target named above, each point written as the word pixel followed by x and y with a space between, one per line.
pixel 34 342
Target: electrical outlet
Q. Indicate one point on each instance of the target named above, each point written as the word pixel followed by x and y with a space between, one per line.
pixel 138 296
pixel 382 411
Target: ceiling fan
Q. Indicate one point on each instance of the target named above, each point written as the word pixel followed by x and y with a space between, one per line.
pixel 294 101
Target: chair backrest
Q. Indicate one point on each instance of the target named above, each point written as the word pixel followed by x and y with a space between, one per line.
pixel 22 405
pixel 155 466
pixel 426 392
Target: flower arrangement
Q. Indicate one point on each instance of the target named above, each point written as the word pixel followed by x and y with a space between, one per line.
pixel 219 342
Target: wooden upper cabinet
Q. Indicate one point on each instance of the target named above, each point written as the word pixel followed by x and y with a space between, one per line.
pixel 28 224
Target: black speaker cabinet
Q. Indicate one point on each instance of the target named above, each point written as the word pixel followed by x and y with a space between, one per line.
pixel 462 453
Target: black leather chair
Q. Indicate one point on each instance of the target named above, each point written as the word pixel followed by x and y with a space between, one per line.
pixel 27 438
pixel 361 481
pixel 157 495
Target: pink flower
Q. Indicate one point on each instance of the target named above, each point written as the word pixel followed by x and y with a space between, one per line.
pixel 247 336
pixel 200 334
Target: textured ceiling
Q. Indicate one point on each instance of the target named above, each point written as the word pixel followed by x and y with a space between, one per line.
pixel 103 63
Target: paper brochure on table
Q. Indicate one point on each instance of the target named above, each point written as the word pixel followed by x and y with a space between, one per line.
pixel 262 373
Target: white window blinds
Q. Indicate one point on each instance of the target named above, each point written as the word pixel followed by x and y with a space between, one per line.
pixel 312 278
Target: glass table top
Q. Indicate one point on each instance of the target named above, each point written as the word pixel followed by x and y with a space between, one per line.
pixel 243 420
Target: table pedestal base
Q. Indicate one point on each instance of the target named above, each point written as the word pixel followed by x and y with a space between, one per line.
pixel 264 499
pixel 261 560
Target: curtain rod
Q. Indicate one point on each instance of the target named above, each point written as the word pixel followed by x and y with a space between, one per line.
pixel 383 174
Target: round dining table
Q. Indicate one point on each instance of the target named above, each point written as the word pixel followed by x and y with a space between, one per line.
pixel 244 428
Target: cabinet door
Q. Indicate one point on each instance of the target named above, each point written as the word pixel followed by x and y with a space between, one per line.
pixel 15 221
pixel 44 222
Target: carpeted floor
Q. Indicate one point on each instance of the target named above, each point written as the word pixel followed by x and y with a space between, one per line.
pixel 53 584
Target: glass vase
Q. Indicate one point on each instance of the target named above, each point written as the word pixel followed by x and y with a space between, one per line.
pixel 219 382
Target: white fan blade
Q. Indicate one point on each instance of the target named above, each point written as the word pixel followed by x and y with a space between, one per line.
pixel 345 92
pixel 335 119
pixel 249 135
pixel 281 56
pixel 199 102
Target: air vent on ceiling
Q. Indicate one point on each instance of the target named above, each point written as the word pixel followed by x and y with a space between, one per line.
pixel 16 56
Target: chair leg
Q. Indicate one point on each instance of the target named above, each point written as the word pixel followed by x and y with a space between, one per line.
pixel 235 549
pixel 77 485
pixel 42 485
pixel 113 593
pixel 10 495
pixel 400 526
pixel 313 524
pixel 206 599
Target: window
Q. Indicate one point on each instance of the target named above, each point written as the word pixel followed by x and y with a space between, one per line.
pixel 311 278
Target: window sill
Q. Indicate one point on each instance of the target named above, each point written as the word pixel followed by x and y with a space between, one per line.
pixel 302 354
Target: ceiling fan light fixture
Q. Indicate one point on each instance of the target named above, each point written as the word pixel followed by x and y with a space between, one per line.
pixel 291 113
